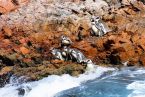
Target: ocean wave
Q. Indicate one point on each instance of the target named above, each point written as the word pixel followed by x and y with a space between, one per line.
pixel 50 86
pixel 138 88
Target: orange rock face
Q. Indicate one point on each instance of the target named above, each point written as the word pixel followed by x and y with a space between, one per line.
pixel 28 50
pixel 142 59
pixel 9 5
pixel 24 50
pixel 5 70
pixel 7 31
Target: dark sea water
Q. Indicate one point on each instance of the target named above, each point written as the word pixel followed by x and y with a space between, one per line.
pixel 103 82
pixel 129 82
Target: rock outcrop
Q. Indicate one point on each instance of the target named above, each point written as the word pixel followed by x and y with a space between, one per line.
pixel 26 40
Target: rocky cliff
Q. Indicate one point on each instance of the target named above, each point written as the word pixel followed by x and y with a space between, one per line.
pixel 28 33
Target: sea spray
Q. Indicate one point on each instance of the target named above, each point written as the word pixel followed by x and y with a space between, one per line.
pixel 138 88
pixel 50 86
pixel 103 82
pixel 127 82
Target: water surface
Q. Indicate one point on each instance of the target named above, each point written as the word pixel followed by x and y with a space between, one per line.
pixel 104 82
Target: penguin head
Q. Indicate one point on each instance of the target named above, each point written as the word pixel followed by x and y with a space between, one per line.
pixel 89 61
pixel 65 49
pixel 92 19
pixel 53 50
pixel 97 19
pixel 63 37
pixel 89 65
pixel 65 40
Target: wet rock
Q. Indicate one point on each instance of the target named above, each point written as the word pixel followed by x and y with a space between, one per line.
pixel 5 60
pixel 57 61
pixel 5 70
pixel 35 73
pixel 4 79
pixel 5 74
pixel 134 61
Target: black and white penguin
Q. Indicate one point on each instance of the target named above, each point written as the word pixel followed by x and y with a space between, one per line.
pixel 97 26
pixel 77 55
pixel 89 65
pixel 65 41
pixel 22 90
pixel 57 54
pixel 66 52
pixel 74 54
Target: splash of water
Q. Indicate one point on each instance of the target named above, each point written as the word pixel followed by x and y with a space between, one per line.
pixel 127 82
pixel 51 85
pixel 138 88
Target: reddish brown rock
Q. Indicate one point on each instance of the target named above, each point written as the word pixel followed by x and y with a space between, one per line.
pixel 141 43
pixel 6 41
pixel 100 44
pixel 29 48
pixel 10 5
pixel 86 47
pixel 7 6
pixel 7 31
pixel 23 40
pixel 5 70
pixel 24 50
pixel 134 61
pixel 57 61
pixel 135 38
pixel 142 59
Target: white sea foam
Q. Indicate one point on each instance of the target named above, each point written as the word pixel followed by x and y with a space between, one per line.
pixel 138 88
pixel 51 85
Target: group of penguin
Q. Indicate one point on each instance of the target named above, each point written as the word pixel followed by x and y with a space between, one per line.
pixel 67 53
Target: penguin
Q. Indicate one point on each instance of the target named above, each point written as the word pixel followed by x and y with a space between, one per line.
pixel 94 29
pixel 69 55
pixel 89 65
pixel 125 63
pixel 22 90
pixel 77 55
pixel 66 52
pixel 65 41
pixel 97 26
pixel 74 55
pixel 57 54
